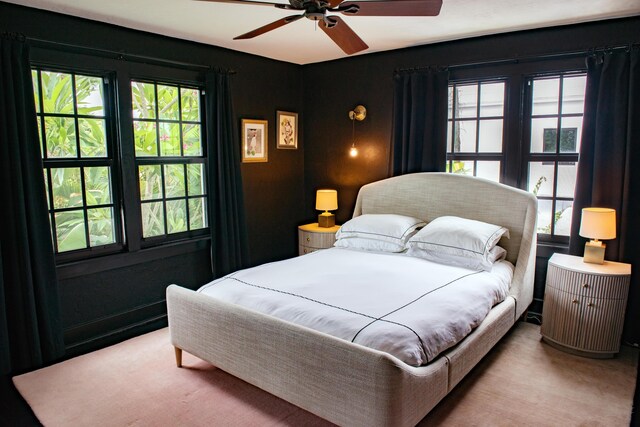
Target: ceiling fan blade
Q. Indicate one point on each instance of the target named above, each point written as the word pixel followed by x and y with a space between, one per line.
pixel 272 26
pixel 392 8
pixel 254 2
pixel 334 3
pixel 342 35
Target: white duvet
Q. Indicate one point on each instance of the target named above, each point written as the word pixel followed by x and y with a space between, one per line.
pixel 405 306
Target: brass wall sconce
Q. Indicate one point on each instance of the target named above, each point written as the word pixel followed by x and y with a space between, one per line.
pixel 358 113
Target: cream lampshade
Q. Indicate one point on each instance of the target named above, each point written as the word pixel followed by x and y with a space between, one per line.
pixel 326 200
pixel 597 223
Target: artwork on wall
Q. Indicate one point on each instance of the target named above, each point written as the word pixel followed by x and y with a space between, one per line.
pixel 287 130
pixel 254 140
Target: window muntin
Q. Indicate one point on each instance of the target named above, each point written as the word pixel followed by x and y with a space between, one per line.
pixel 169 158
pixel 556 110
pixel 77 159
pixel 475 128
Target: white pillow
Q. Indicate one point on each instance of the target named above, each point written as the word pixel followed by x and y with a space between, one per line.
pixel 473 263
pixel 391 228
pixel 449 239
pixel 368 245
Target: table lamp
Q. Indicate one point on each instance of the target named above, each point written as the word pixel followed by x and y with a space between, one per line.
pixel 326 200
pixel 597 223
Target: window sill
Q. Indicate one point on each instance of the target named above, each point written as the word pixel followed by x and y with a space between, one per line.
pixel 126 259
pixel 546 249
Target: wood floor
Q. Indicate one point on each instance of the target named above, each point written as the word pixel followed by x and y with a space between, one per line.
pixel 530 395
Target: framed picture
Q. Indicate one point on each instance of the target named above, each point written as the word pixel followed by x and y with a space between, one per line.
pixel 287 130
pixel 254 140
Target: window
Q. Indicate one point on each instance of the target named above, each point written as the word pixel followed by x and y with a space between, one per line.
pixel 520 123
pixel 116 183
pixel 75 135
pixel 475 129
pixel 170 158
pixel 555 123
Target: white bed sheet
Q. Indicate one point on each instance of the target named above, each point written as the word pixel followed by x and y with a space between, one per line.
pixel 408 307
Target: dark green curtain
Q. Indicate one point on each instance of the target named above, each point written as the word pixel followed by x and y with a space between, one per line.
pixel 30 326
pixel 226 204
pixel 608 169
pixel 419 138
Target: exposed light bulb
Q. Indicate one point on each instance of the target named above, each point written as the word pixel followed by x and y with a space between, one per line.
pixel 353 152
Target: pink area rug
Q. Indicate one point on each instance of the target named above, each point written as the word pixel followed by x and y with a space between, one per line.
pixel 522 382
pixel 136 383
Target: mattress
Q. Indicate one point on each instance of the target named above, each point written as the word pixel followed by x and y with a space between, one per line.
pixel 408 307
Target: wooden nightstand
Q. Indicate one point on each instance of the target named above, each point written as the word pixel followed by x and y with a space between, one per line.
pixel 311 237
pixel 584 305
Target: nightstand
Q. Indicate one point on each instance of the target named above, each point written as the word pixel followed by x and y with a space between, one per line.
pixel 584 305
pixel 311 237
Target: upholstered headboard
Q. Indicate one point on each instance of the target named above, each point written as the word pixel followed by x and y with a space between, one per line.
pixel 430 195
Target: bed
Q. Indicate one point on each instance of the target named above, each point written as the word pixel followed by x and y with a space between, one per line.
pixel 345 382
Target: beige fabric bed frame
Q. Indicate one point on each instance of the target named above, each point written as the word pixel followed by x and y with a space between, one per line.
pixel 343 382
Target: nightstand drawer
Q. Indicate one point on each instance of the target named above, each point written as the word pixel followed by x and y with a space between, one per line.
pixel 587 284
pixel 316 240
pixel 303 250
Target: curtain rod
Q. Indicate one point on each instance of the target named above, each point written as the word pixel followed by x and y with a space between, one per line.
pixel 150 60
pixel 527 58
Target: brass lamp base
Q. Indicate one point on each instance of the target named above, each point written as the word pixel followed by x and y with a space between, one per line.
pixel 594 252
pixel 326 220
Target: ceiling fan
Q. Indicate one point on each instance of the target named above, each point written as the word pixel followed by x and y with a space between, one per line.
pixel 333 25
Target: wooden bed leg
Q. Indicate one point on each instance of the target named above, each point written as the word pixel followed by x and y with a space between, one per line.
pixel 178 356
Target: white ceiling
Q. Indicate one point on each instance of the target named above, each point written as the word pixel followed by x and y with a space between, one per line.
pixel 302 43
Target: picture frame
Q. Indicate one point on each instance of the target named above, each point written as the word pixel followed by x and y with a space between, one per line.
pixel 287 130
pixel 255 146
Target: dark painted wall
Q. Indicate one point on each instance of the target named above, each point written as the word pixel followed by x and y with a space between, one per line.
pixel 340 85
pixel 110 297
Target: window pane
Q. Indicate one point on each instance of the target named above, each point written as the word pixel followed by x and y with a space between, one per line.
pixel 541 178
pixel 545 96
pixel 36 89
pixel 449 137
pixel 144 100
pixel 197 213
pixel 145 137
pixel 191 140
pixel 490 136
pixel 573 89
pixel 46 187
pixel 152 219
pixel 57 92
pixel 70 232
pixel 543 135
pixel 195 179
pixel 170 139
pixel 101 230
pixel 40 136
pixel 544 216
pixel 488 170
pixel 89 96
pixel 150 182
pixel 562 217
pixel 174 181
pixel 464 140
pixel 492 99
pixel 168 105
pixel 567 174
pixel 460 167
pixel 190 104
pixel 97 186
pixel 467 101
pixel 571 134
pixel 60 133
pixel 176 216
pixel 92 138
pixel 450 102
pixel 67 189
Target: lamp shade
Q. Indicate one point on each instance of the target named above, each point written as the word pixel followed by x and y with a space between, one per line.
pixel 326 200
pixel 598 223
